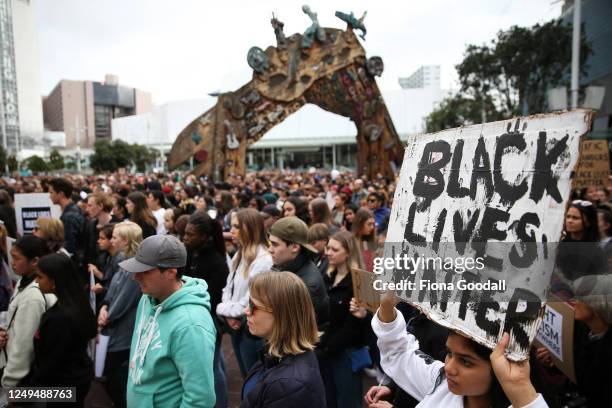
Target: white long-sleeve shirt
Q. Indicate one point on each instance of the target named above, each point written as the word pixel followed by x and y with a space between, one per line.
pixel 235 296
pixel 401 359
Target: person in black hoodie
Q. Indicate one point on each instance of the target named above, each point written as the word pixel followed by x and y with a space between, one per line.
pixel 206 259
pixel 60 344
pixel 291 252
pixel 287 374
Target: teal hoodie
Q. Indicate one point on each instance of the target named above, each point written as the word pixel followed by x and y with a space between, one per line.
pixel 171 358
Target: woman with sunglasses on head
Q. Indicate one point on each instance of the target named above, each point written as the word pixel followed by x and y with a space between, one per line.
pixel 470 376
pixel 287 374
pixel 251 259
pixel 60 344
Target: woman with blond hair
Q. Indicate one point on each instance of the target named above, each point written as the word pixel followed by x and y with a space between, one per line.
pixel 118 312
pixel 288 373
pixel 251 258
pixel 51 230
pixel 346 334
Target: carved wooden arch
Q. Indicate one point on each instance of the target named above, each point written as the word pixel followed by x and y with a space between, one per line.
pixel 332 74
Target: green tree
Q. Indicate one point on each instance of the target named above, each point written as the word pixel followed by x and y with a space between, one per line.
pixel 519 66
pixel 110 156
pixel 36 164
pixel 459 110
pixel 143 156
pixel 102 158
pixel 56 160
pixel 12 162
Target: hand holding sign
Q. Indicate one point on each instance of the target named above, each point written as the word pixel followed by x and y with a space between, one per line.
pixel 512 376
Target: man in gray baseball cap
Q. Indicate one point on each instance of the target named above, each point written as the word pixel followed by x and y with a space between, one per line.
pixel 174 331
pixel 291 252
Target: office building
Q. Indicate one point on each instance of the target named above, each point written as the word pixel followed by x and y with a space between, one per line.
pixel 83 110
pixel 427 76
pixel 21 119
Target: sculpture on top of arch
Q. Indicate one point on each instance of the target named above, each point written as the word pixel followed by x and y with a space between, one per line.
pixel 324 66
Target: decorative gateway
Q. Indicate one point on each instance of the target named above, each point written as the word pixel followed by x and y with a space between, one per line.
pixel 476 217
pixel 324 66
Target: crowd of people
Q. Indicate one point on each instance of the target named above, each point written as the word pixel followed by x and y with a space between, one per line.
pixel 163 266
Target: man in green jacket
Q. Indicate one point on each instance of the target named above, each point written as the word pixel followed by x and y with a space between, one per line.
pixel 171 356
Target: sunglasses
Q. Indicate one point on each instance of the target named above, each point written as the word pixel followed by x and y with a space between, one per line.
pixel 582 203
pixel 253 307
pixel 372 200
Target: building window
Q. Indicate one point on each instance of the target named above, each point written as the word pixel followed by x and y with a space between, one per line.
pixel 103 121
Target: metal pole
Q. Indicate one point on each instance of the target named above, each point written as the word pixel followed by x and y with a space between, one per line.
pixel 78 143
pixel 4 137
pixel 333 156
pixel 576 53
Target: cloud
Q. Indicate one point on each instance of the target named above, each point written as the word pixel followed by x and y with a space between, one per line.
pixel 184 49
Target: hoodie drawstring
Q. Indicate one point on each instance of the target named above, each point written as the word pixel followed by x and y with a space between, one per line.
pixel 149 330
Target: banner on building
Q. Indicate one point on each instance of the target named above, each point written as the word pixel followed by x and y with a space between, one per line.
pixel 28 207
pixel 593 166
pixel 476 216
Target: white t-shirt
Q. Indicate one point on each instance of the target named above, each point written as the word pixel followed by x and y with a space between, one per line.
pixel 159 216
pixel 414 371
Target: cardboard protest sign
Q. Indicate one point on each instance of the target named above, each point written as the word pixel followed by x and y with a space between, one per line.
pixel 593 166
pixel 476 215
pixel 28 207
pixel 363 289
pixel 556 333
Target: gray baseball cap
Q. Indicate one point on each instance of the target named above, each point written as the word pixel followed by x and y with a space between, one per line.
pixel 157 251
pixel 292 229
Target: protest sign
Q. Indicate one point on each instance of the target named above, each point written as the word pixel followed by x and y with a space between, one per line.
pixel 556 333
pixel 593 166
pixel 486 205
pixel 28 207
pixel 363 289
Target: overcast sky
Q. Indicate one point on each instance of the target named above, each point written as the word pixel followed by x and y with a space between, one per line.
pixel 184 49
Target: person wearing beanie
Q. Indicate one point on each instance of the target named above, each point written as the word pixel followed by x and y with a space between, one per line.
pixel 593 358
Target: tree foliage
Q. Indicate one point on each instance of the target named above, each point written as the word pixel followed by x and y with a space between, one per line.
pixel 510 76
pixel 110 156
pixel 56 160
pixel 36 164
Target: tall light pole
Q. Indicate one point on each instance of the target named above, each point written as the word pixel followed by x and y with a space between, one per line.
pixel 77 130
pixel 576 53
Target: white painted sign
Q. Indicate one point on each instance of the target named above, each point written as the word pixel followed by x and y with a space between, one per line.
pixel 28 207
pixel 550 333
pixel 488 201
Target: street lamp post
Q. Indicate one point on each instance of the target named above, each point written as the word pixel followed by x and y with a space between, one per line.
pixel 576 53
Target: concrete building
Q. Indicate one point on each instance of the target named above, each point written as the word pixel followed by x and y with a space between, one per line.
pixel 83 110
pixel 309 137
pixel 427 76
pixel 596 16
pixel 20 105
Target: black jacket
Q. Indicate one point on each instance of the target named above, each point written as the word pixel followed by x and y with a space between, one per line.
pixel 593 358
pixel 292 381
pixel 344 331
pixel 305 268
pixel 60 353
pixel 74 230
pixel 208 264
